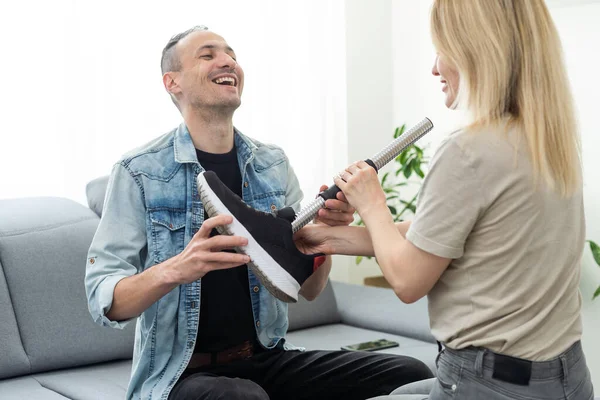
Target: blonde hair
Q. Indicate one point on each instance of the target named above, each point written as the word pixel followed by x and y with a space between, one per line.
pixel 509 59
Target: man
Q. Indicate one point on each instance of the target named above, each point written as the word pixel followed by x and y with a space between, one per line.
pixel 206 328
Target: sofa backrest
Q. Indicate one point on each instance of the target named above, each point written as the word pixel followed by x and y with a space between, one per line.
pixel 45 323
pixel 13 360
pixel 321 311
pixel 379 309
pixel 95 192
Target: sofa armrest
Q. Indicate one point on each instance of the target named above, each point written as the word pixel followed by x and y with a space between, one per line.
pixel 379 309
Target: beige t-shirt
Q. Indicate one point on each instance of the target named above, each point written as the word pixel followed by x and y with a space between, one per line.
pixel 513 284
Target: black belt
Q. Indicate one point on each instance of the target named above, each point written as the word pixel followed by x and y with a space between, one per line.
pixel 512 369
pixel 235 353
pixel 508 369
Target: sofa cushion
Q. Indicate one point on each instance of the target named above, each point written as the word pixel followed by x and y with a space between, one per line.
pixel 26 388
pixel 43 247
pixel 380 309
pixel 13 360
pixel 334 336
pixel 322 310
pixel 98 382
pixel 95 191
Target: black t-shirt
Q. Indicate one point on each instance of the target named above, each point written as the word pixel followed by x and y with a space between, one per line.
pixel 226 318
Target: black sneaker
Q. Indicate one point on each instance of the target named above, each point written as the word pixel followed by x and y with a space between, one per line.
pixel 275 260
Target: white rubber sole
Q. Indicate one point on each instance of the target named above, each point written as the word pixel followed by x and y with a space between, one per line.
pixel 277 280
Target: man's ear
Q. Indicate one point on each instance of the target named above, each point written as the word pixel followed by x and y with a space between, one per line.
pixel 170 83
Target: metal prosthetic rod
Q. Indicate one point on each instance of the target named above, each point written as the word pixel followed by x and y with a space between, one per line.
pixel 386 155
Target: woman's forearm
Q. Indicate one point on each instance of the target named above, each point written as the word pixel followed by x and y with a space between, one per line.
pixel 388 241
pixel 403 227
pixel 357 241
pixel 386 237
pixel 351 241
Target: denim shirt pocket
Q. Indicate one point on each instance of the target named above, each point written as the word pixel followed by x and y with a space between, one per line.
pixel 270 201
pixel 168 232
pixel 270 184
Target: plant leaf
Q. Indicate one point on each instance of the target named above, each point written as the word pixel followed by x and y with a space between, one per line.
pixel 409 205
pixel 392 210
pixel 403 156
pixel 418 171
pixel 359 259
pixel 402 129
pixel 384 178
pixel 595 251
pixel 408 169
pixel 392 197
pixel 597 293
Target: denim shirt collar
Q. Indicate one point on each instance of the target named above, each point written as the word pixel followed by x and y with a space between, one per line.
pixel 185 151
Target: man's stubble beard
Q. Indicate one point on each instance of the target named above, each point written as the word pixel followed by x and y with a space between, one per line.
pixel 216 110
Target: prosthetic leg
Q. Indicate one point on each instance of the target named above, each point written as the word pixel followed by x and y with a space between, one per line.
pixel 275 260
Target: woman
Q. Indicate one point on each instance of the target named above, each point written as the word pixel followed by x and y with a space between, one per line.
pixel 498 234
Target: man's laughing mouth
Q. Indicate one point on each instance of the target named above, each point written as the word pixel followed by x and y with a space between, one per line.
pixel 227 80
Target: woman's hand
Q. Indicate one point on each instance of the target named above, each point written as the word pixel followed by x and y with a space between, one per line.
pixel 361 187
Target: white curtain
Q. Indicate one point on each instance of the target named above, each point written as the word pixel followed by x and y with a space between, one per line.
pixel 81 84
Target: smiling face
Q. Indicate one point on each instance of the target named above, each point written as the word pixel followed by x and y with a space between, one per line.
pixel 449 78
pixel 209 76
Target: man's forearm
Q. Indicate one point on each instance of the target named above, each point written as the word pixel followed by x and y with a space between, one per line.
pixel 315 284
pixel 134 294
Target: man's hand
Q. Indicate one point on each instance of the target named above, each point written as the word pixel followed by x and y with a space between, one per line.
pixel 134 294
pixel 336 212
pixel 204 253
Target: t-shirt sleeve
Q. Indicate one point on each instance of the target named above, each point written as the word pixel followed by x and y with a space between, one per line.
pixel 449 203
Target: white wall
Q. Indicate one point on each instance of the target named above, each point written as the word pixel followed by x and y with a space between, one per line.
pixel 81 84
pixel 369 103
pixel 578 27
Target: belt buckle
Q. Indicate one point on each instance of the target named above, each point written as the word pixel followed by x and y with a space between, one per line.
pixel 243 351
pixel 246 351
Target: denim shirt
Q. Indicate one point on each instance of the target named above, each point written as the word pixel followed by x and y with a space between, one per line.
pixel 151 211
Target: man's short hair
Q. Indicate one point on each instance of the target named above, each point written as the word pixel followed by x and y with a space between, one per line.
pixel 170 60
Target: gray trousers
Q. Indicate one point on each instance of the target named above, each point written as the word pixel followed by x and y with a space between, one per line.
pixel 468 374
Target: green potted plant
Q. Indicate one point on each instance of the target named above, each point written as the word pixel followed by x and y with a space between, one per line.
pixel 402 183
pixel 595 249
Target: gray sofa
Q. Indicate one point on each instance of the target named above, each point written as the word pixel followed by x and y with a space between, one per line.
pixel 51 349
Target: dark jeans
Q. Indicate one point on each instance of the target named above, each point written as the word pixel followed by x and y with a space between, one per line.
pixel 295 375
